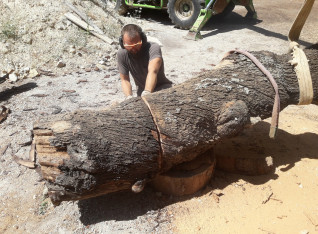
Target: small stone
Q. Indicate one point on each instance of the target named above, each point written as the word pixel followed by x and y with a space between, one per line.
pixel 102 62
pixel 13 77
pixel 255 120
pixel 88 69
pixel 61 64
pixel 304 232
pixel 101 67
pixel 3 74
pixel 45 192
pixel 72 51
pixel 60 26
pixel 33 73
pixel 4 50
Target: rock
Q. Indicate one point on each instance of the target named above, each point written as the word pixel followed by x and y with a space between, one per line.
pixel 28 40
pixel 4 74
pixel 45 192
pixel 60 26
pixel 102 62
pixel 60 64
pixel 33 73
pixel 72 49
pixel 101 67
pixel 255 120
pixel 57 110
pixel 4 49
pixel 304 232
pixel 13 77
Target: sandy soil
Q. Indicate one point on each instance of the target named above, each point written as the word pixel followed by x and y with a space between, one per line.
pixel 283 201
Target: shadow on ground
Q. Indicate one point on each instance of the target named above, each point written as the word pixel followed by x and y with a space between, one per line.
pixel 220 24
pixel 235 21
pixel 286 149
pixel 9 92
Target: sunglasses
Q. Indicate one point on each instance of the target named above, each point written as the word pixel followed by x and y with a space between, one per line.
pixel 133 45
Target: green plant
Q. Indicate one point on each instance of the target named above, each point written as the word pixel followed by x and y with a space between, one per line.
pixel 43 207
pixel 9 29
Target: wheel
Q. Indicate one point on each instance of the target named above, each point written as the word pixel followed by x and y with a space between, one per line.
pixel 183 13
pixel 121 8
pixel 228 9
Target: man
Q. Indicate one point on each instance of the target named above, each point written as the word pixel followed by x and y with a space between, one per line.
pixel 143 60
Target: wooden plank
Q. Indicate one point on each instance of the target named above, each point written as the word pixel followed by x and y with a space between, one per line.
pixel 32 152
pixel 87 27
pixel 83 17
pixel 22 162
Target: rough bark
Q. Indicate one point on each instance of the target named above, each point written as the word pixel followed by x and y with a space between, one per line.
pixel 89 153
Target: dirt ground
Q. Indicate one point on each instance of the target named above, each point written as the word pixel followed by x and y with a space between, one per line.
pixel 284 201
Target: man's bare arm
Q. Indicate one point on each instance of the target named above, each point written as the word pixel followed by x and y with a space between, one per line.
pixel 125 84
pixel 153 69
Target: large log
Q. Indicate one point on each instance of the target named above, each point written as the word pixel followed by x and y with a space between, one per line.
pixel 89 153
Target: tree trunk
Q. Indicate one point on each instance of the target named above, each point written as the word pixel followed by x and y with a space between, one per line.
pixel 89 153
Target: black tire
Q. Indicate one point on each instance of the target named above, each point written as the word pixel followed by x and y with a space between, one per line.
pixel 183 13
pixel 228 9
pixel 121 8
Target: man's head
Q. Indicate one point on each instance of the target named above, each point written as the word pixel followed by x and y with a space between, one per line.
pixel 132 38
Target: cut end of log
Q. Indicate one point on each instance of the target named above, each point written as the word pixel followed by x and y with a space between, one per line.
pixel 186 178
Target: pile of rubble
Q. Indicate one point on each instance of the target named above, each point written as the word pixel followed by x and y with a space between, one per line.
pixel 37 38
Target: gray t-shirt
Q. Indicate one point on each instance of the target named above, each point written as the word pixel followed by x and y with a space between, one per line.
pixel 137 65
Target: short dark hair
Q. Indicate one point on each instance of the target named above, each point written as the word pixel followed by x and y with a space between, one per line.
pixel 132 30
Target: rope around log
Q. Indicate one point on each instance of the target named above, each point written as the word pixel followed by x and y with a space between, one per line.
pixel 276 106
pixel 301 67
pixel 300 61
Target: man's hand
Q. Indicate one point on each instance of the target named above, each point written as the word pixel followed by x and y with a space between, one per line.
pixel 125 84
pixel 128 97
pixel 145 92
